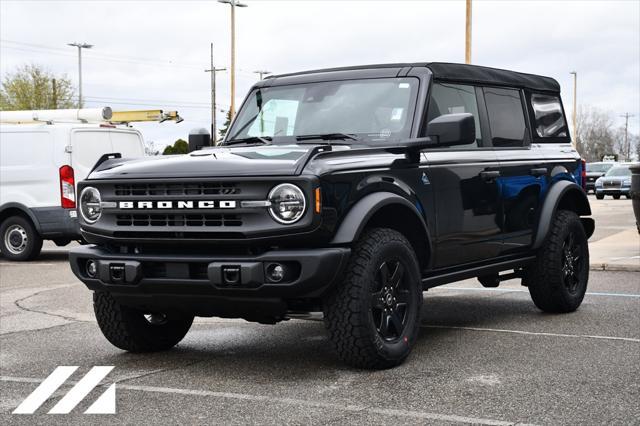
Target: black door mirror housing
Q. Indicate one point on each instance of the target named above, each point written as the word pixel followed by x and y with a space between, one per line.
pixel 452 129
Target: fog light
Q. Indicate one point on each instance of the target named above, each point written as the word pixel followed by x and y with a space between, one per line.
pixel 275 271
pixel 92 268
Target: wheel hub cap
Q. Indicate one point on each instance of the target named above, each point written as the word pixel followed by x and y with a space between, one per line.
pixel 15 239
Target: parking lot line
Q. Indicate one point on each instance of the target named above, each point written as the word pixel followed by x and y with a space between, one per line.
pixel 534 333
pixel 294 401
pixel 517 290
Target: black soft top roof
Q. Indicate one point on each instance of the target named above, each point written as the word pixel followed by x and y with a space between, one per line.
pixel 486 75
pixel 451 72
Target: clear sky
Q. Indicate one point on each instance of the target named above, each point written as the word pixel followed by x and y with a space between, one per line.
pixel 152 54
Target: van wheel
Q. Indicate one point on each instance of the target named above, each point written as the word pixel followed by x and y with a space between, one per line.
pixel 557 280
pixel 20 240
pixel 373 316
pixel 137 331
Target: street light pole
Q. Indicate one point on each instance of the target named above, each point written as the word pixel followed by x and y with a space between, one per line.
pixel 233 4
pixel 467 41
pixel 80 46
pixel 262 73
pixel 213 70
pixel 575 105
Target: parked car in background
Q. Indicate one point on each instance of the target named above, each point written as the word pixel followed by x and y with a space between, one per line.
pixel 616 182
pixel 596 170
pixel 40 163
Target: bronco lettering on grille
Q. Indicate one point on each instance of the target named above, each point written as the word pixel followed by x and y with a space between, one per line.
pixel 205 204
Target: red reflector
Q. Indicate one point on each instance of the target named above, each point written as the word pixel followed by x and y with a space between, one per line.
pixel 67 188
pixel 583 174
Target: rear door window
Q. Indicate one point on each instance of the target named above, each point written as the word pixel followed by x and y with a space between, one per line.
pixel 453 99
pixel 506 117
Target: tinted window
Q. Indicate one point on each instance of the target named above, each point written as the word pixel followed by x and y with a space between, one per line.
pixel 506 118
pixel 548 117
pixel 454 99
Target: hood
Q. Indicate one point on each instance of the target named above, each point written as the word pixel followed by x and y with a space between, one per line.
pixel 271 160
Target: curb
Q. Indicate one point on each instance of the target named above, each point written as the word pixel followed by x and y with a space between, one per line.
pixel 607 267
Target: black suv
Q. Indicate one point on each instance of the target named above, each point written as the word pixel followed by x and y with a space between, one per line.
pixel 348 191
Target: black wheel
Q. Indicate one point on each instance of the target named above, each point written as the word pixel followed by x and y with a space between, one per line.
pixel 600 196
pixel 20 240
pixel 617 196
pixel 373 316
pixel 137 331
pixel 557 280
pixel 627 196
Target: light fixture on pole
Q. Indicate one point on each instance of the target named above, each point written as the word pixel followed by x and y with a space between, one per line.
pixel 233 4
pixel 262 73
pixel 574 112
pixel 80 46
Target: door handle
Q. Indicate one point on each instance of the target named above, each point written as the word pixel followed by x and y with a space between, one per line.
pixel 490 175
pixel 539 171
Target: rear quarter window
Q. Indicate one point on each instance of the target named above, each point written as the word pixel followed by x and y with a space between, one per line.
pixel 547 116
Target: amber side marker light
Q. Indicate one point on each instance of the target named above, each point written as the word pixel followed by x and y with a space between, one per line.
pixel 318 200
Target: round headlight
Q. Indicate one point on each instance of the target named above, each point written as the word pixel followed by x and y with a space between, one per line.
pixel 287 203
pixel 90 204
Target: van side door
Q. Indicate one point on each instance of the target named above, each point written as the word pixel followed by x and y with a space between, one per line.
pixel 464 186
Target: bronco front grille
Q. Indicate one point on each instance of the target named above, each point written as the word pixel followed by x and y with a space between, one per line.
pixel 178 220
pixel 187 188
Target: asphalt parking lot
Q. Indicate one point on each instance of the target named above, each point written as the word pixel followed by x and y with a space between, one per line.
pixel 484 356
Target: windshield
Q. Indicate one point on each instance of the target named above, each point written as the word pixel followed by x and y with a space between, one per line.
pixel 370 109
pixel 619 171
pixel 599 167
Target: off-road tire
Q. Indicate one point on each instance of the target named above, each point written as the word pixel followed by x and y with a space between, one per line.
pixel 348 309
pixel 600 196
pixel 128 329
pixel 546 276
pixel 31 238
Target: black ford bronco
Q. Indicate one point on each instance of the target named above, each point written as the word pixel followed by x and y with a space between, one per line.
pixel 346 191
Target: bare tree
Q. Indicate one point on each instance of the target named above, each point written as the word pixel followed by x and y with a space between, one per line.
pixel 33 87
pixel 596 135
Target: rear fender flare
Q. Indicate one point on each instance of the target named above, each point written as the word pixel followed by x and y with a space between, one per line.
pixel 563 195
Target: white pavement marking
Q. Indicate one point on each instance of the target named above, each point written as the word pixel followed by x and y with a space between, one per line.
pixel 81 390
pixel 517 290
pixel 45 390
pixel 301 402
pixel 534 333
pixel 25 264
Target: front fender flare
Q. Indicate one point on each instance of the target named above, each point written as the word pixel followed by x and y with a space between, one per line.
pixel 568 195
pixel 364 209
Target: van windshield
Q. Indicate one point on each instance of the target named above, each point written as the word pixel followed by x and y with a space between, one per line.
pixel 370 109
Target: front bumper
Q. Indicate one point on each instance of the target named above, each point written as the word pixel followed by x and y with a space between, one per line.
pixel 198 283
pixel 624 190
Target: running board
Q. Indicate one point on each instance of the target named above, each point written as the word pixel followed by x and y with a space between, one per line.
pixel 476 271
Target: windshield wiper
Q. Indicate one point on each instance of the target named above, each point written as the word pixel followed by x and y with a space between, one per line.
pixel 328 137
pixel 264 140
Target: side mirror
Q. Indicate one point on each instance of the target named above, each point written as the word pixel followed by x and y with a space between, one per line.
pixel 452 129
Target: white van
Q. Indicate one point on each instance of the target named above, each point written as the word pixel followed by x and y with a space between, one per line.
pixel 40 164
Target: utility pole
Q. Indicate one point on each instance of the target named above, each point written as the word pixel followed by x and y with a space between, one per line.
pixel 262 73
pixel 627 148
pixel 575 108
pixel 467 43
pixel 233 4
pixel 80 46
pixel 213 70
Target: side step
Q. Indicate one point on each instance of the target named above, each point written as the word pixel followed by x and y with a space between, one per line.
pixel 491 271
